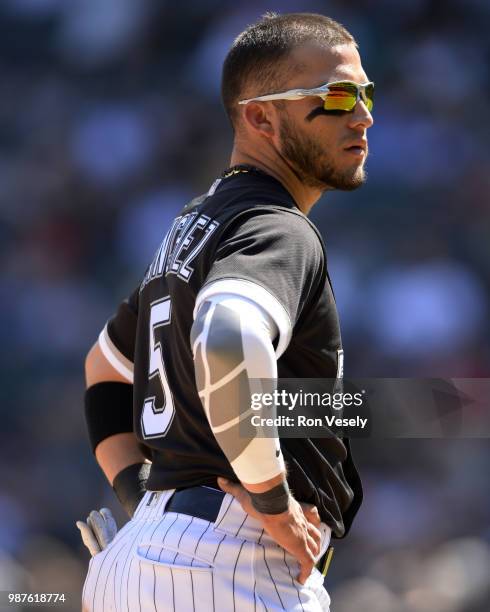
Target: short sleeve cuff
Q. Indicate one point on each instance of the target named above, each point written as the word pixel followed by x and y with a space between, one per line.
pixel 117 360
pixel 257 294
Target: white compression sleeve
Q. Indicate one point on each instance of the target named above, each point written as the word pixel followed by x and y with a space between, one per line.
pixel 232 344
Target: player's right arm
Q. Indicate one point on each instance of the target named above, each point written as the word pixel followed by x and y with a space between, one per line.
pixel 232 340
pixel 271 261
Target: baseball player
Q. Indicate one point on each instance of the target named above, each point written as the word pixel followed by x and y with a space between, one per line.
pixel 237 291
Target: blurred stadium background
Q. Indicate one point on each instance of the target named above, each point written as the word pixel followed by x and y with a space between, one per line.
pixel 110 119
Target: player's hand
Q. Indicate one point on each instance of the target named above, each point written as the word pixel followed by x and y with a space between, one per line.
pixel 295 530
pixel 98 531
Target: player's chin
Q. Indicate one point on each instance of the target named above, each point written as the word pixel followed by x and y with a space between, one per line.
pixel 348 180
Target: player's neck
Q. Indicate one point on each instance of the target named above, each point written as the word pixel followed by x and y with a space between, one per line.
pixel 304 196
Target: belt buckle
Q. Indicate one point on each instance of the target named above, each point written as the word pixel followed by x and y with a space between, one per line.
pixel 328 560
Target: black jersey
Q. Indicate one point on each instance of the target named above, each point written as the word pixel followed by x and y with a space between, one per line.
pixel 247 227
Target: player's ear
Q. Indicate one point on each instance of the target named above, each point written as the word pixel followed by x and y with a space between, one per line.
pixel 257 117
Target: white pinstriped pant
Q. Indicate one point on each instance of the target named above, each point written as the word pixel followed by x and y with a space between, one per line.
pixel 174 562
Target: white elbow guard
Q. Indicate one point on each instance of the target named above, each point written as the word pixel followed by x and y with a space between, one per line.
pixel 232 345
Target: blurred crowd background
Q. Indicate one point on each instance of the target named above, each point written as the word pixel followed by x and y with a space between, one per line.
pixel 110 119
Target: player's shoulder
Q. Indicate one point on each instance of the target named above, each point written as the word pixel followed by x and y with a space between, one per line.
pixel 256 205
pixel 259 210
pixel 281 219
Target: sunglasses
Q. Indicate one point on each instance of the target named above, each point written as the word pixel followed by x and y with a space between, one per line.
pixel 339 95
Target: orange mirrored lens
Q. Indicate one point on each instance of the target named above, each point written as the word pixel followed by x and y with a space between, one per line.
pixel 344 97
pixel 340 99
pixel 370 97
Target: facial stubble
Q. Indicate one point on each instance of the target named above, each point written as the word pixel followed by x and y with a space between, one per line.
pixel 313 165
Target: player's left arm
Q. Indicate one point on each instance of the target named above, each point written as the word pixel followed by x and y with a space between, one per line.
pixel 109 417
pixel 118 454
pixel 120 450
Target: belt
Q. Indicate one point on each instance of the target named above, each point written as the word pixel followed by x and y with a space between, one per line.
pixel 205 503
pixel 201 502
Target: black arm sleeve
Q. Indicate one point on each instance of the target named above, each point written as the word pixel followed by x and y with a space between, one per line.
pixel 118 338
pixel 121 327
pixel 277 249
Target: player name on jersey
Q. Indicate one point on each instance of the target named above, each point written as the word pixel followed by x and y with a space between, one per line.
pixel 181 245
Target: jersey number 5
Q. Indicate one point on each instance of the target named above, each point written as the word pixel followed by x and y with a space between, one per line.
pixel 156 420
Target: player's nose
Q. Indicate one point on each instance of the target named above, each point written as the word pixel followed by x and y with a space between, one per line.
pixel 361 116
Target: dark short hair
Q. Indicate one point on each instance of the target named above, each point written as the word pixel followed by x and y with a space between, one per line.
pixel 258 53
